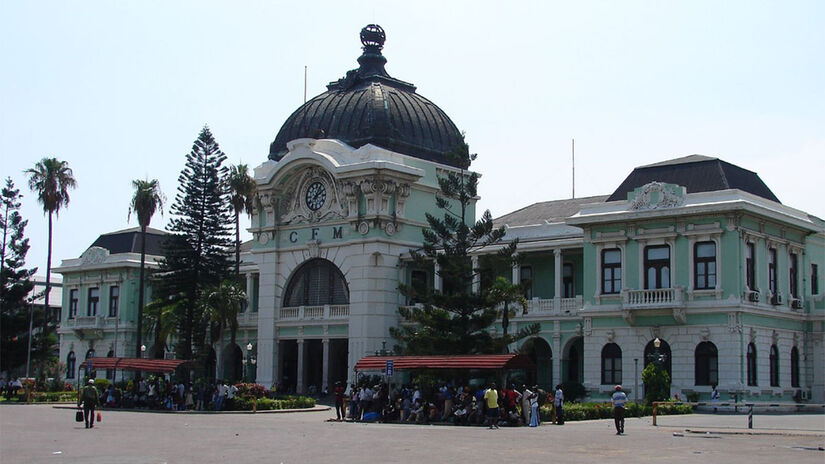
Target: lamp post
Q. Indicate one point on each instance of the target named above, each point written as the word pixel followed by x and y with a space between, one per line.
pixel 658 358
pixel 142 351
pixel 248 362
pixel 635 380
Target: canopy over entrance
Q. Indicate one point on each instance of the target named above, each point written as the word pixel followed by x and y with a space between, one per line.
pixel 163 366
pixel 470 361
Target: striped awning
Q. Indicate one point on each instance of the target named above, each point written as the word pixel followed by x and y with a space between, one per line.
pixel 472 361
pixel 136 364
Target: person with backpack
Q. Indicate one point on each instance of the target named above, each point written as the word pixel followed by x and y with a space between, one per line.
pixel 89 398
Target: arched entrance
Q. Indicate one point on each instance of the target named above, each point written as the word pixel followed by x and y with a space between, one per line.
pixel 663 355
pixel 573 361
pixel 210 364
pixel 317 286
pixel 542 355
pixel 232 363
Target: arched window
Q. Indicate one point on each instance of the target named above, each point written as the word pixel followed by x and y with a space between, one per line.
pixel 611 364
pixel 707 364
pixel 752 364
pixel 317 282
pixel 71 361
pixel 662 356
pixel 774 366
pixel 794 367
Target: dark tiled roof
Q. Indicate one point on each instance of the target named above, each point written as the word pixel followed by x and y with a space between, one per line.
pixel 368 106
pixel 128 241
pixel 696 173
pixel 550 211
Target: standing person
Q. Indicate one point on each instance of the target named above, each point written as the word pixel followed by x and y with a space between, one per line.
pixel 339 400
pixel 89 398
pixel 534 407
pixel 619 400
pixel 559 403
pixel 525 403
pixel 491 399
pixel 714 397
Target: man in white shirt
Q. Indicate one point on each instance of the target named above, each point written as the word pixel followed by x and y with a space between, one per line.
pixel 619 401
pixel 559 403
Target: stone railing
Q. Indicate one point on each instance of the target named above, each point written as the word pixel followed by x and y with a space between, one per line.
pixel 85 322
pixel 301 313
pixel 248 318
pixel 653 298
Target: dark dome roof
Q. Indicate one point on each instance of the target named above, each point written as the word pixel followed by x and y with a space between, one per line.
pixel 369 106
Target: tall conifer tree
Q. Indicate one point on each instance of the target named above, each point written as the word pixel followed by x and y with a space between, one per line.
pixel 456 320
pixel 15 282
pixel 197 252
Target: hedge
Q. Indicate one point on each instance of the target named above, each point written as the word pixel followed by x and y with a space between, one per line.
pixel 45 397
pixel 590 411
pixel 266 404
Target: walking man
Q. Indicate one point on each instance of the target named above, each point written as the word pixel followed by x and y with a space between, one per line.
pixel 619 400
pixel 89 398
pixel 559 402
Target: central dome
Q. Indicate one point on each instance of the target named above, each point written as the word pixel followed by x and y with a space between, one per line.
pixel 369 106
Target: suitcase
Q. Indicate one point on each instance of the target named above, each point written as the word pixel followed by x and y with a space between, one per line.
pixel 78 416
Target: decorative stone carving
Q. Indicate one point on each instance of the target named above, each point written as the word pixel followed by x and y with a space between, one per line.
pixel 363 228
pixel 588 326
pixel 774 337
pixel 734 325
pixel 314 248
pixel 656 195
pixel 611 335
pixel 389 228
pixel 628 317
pixel 296 209
pixel 95 255
pixel 704 334
pixel 679 314
pixel 578 329
pixel 752 335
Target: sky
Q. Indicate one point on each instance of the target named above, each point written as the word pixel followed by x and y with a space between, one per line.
pixel 120 90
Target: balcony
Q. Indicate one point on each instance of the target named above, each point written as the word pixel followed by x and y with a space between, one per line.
pixel 659 298
pixel 85 322
pixel 554 306
pixel 310 313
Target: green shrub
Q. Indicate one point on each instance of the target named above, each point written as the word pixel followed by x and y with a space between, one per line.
pixel 266 404
pixel 590 411
pixel 657 383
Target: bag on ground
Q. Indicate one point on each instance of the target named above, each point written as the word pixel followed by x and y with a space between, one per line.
pixel 78 416
pixel 99 417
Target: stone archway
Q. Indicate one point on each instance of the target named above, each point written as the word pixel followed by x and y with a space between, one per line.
pixel 540 352
pixel 232 363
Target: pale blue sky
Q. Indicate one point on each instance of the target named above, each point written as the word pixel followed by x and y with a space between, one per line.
pixel 121 89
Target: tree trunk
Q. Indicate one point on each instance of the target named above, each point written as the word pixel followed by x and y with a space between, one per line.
pixel 43 337
pixel 140 292
pixel 237 248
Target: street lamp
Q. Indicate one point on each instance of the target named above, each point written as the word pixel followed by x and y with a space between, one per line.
pixel 658 358
pixel 142 351
pixel 250 362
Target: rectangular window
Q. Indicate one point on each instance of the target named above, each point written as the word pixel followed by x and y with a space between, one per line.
pixel 418 281
pixel 568 281
pixel 814 279
pixel 704 267
pixel 772 270
pixel 94 298
pixel 73 300
pixel 657 267
pixel 750 267
pixel 114 299
pixel 611 271
pixel 793 277
pixel 526 280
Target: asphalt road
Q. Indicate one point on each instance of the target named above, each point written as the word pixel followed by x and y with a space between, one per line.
pixel 43 434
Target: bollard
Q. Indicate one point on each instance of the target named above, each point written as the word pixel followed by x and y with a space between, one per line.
pixel 750 417
pixel 655 408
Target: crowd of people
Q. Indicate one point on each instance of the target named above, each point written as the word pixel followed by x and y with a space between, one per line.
pixel 159 393
pixel 448 403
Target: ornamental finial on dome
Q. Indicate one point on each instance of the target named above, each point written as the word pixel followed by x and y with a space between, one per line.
pixel 372 36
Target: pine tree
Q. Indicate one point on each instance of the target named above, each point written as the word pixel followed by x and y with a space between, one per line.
pixel 197 252
pixel 457 320
pixel 15 282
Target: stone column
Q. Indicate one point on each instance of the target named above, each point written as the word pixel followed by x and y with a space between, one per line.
pixel 557 283
pixel 299 382
pixel 250 286
pixel 516 274
pixel 557 354
pixel 325 364
pixel 436 277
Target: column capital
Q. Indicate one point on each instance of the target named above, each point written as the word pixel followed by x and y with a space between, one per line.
pixel 557 252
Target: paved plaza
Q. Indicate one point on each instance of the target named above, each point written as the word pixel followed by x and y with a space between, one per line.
pixel 44 434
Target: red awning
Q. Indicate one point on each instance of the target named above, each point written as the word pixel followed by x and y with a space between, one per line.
pixel 136 364
pixel 472 361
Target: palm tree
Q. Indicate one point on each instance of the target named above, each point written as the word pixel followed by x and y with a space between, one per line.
pixel 241 190
pixel 51 180
pixel 221 305
pixel 146 200
pixel 162 317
